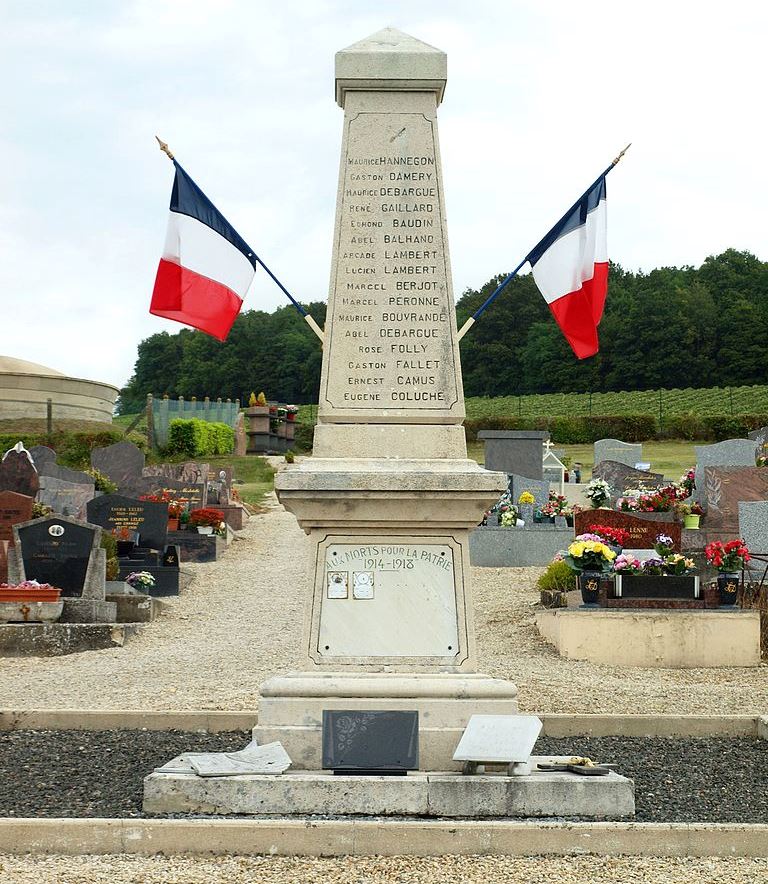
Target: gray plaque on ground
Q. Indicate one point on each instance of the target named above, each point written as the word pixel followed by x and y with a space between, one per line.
pixel 498 739
pixel 374 741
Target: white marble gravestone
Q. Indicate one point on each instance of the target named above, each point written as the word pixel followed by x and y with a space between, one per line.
pixel 389 496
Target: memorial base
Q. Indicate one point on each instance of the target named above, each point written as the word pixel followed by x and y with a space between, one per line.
pixel 291 709
pixel 439 794
pixel 58 639
pixel 88 611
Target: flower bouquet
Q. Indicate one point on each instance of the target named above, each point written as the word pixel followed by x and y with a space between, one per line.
pixel 590 558
pixel 617 537
pixel 597 492
pixel 140 580
pixel 729 558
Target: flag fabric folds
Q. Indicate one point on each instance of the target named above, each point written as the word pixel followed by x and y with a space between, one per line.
pixel 206 267
pixel 570 267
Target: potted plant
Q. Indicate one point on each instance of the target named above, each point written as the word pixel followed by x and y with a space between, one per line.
pixel 729 558
pixel 142 581
pixel 126 540
pixel 508 517
pixel 291 411
pixel 598 492
pixel 175 509
pixel 691 514
pixel 206 519
pixel 590 558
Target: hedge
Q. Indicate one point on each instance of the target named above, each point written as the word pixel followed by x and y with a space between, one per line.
pixel 197 438
pixel 585 429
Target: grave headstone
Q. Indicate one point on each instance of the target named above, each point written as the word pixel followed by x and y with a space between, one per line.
pixel 539 488
pixel 18 473
pixel 57 550
pixel 65 498
pixel 121 462
pixel 622 477
pixel 642 532
pixel 14 509
pixel 514 451
pixel 761 437
pixel 723 488
pixel 41 455
pixel 498 738
pixel 628 453
pixel 190 472
pixel 731 453
pixel 148 518
pixel 753 525
pixel 380 740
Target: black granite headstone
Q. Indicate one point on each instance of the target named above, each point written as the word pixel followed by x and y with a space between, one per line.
pixel 57 552
pixel 171 556
pixel 367 742
pixel 147 517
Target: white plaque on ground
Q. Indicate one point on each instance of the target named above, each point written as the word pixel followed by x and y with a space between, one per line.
pixel 501 739
pixel 402 604
pixel 268 759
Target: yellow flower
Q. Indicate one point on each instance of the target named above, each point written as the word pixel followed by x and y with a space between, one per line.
pixel 526 497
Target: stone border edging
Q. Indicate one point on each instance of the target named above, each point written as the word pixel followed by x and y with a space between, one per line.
pixel 290 837
pixel 555 724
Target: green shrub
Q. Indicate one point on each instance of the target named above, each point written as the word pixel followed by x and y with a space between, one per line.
pixel 72 449
pixel 557 578
pixel 109 544
pixel 193 437
pixel 303 436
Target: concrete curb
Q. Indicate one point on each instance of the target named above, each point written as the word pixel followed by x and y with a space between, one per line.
pixel 212 721
pixel 304 837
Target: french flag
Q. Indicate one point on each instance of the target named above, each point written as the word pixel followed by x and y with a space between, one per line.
pixel 570 267
pixel 206 266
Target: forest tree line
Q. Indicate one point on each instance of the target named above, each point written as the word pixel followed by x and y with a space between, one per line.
pixel 671 327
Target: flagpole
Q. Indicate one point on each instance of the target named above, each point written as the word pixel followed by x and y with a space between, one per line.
pixel 306 316
pixel 500 288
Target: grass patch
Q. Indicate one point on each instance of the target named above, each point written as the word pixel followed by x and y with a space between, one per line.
pixel 670 457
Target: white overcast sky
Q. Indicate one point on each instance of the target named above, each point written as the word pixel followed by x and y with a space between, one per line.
pixel 540 97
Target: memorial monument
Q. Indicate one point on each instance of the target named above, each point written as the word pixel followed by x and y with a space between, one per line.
pixel 388 499
pixel 389 496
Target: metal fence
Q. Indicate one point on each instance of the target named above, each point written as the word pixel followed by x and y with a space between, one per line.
pixel 160 413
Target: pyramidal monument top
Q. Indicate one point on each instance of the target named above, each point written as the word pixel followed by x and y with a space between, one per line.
pixel 390 57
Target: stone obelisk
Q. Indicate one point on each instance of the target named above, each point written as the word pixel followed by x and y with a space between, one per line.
pixel 389 496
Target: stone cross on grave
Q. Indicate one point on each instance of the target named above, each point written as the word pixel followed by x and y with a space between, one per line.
pixel 389 496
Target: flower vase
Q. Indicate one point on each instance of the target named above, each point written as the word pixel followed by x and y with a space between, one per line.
pixel 727 588
pixel 589 584
pixel 173 524
pixel 204 529
pixel 691 522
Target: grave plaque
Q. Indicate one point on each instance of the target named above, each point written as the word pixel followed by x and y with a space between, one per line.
pixel 370 741
pixel 642 533
pixel 724 488
pixel 730 453
pixel 18 473
pixel 621 477
pixel 14 508
pixel 498 738
pixel 57 551
pixel 150 519
pixel 407 589
pixel 121 462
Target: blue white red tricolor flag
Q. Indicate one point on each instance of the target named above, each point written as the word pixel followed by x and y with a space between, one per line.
pixel 206 266
pixel 570 267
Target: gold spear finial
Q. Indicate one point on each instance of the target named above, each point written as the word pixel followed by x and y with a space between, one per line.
pixel 620 155
pixel 164 147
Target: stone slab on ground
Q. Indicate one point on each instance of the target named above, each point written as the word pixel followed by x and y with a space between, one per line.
pixel 539 794
pixel 495 547
pixel 197 547
pixel 58 639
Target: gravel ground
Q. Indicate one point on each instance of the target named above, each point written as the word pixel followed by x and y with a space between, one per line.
pixel 100 774
pixel 381 870
pixel 240 622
